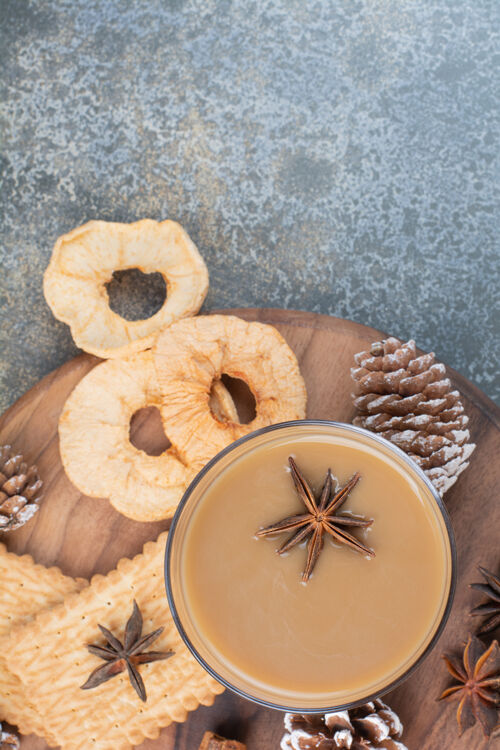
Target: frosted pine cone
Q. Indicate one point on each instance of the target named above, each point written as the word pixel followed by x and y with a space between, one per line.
pixel 20 490
pixel 8 740
pixel 409 400
pixel 367 727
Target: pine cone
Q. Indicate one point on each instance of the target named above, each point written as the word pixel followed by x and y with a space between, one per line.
pixel 8 741
pixel 408 400
pixel 20 490
pixel 371 726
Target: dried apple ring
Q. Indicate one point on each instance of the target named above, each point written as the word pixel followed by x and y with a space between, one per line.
pixel 83 262
pixel 193 353
pixel 95 443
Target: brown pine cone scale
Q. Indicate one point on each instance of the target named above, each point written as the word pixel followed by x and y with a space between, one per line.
pixel 408 400
pixel 368 727
pixel 20 490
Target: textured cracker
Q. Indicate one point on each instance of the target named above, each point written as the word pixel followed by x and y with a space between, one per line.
pixel 25 590
pixel 111 716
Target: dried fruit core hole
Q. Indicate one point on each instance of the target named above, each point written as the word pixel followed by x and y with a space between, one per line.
pixel 243 398
pixel 135 295
pixel 146 431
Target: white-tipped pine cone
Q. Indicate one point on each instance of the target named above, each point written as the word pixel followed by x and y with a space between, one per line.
pixel 409 400
pixel 20 490
pixel 8 740
pixel 368 727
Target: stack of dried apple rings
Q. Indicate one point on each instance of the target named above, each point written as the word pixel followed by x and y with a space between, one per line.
pixel 180 375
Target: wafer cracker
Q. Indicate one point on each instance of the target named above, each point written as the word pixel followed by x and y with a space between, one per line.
pixel 111 716
pixel 25 589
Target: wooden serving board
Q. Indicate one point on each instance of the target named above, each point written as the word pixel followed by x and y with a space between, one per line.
pixel 84 536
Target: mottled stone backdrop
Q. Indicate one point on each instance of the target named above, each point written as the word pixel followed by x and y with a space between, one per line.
pixel 339 156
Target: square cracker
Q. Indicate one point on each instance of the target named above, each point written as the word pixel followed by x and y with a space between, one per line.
pixel 57 663
pixel 25 589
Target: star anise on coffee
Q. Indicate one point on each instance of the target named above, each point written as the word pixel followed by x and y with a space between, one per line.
pixel 490 608
pixel 321 518
pixel 128 655
pixel 478 690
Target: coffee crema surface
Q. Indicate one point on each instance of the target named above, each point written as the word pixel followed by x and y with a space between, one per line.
pixel 359 622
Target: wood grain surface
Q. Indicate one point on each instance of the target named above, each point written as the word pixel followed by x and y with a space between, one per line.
pixel 84 536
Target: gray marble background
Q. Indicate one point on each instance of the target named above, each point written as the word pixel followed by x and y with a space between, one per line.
pixel 339 156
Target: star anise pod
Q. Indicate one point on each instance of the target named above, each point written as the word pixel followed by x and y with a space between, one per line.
pixel 321 518
pixel 478 688
pixel 129 655
pixel 491 608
